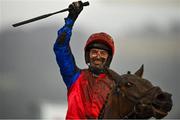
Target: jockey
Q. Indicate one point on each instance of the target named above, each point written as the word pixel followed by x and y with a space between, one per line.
pixel 87 88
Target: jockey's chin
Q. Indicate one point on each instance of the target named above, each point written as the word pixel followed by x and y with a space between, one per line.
pixel 98 64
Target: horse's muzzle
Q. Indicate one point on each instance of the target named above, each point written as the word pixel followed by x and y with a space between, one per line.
pixel 162 104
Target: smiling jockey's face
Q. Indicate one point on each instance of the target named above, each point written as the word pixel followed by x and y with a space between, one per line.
pixel 98 57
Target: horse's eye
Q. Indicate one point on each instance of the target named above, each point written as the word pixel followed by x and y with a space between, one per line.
pixel 129 84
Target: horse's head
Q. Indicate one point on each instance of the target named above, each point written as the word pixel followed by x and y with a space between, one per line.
pixel 148 100
pixel 135 97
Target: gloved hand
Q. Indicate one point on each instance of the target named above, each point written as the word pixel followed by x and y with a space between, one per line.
pixel 75 9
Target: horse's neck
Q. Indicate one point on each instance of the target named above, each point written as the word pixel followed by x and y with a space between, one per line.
pixel 120 103
pixel 126 107
pixel 117 107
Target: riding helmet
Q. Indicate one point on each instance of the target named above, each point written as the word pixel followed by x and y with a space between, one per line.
pixel 101 41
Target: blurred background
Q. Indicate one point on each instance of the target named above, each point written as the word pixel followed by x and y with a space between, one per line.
pixel 145 32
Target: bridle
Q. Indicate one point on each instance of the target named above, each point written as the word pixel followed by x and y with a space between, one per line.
pixel 135 101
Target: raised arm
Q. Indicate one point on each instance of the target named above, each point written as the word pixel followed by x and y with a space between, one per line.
pixel 64 56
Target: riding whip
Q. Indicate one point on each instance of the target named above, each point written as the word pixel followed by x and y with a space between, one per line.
pixel 44 16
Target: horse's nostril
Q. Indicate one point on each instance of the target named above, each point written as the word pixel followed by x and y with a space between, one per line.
pixel 161 97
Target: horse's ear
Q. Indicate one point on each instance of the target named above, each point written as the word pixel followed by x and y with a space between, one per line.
pixel 140 71
pixel 128 72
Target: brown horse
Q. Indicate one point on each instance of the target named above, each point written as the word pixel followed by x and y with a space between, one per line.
pixel 135 97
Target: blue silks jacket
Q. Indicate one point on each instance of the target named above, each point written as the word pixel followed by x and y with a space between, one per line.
pixel 64 57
